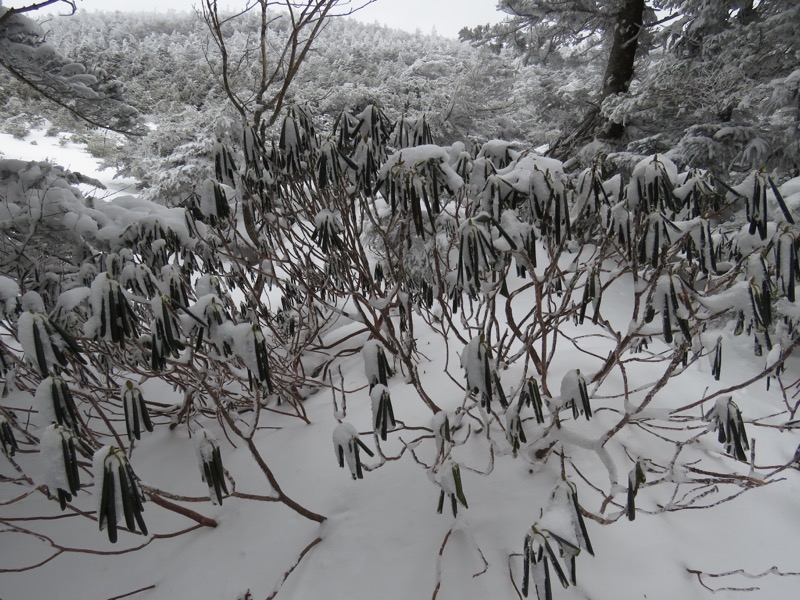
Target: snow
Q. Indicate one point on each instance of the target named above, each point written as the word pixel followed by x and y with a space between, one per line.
pixel 370 352
pixel 27 338
pixel 205 445
pixel 243 339
pixel 533 162
pixel 208 197
pixel 52 457
pixel 377 395
pixel 37 145
pixel 106 459
pixel 71 299
pixel 44 402
pixel 472 361
pixel 9 290
pixel 571 390
pixel 344 443
pixel 32 302
pixel 384 528
pixel 558 519
pixel 387 530
pixel 205 442
pixel 647 172
pixel 447 479
pixel 99 296
pixel 409 159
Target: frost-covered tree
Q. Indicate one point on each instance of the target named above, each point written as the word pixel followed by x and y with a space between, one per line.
pixel 257 88
pixel 735 107
pixel 538 29
pixel 676 75
pixel 88 93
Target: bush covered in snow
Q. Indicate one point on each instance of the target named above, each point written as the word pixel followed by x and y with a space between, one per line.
pixel 512 355
pixel 500 308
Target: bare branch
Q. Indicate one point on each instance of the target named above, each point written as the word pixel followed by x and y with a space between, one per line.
pixel 38 6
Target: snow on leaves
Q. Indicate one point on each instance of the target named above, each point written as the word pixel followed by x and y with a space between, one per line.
pixel 418 178
pixel 376 366
pixel 348 446
pixel 137 415
pixel 482 377
pixel 113 318
pixel 382 411
pixel 449 479
pixel 210 459
pixel 561 527
pixel 118 493
pixel 575 395
pixel 45 344
pixel 58 447
pixel 726 419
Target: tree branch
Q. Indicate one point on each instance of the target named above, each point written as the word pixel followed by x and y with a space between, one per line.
pixel 37 6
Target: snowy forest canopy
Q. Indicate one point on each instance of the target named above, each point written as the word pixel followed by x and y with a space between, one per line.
pixel 365 258
pixel 707 89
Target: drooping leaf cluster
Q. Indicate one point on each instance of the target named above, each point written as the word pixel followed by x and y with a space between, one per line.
pixel 235 301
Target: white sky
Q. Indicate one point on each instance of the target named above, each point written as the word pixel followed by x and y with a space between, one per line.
pixel 447 16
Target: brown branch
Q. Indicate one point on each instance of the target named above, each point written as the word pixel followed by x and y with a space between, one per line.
pixel 657 387
pixel 258 497
pixel 224 416
pixel 757 377
pixel 771 571
pixel 439 563
pixel 58 549
pixel 286 575
pixel 728 477
pixel 181 510
pixel 37 6
pixel 52 98
pixel 299 509
pixel 211 17
pixel 511 575
pixel 134 592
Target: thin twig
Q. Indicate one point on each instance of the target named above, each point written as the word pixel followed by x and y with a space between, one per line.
pixel 286 575
pixel 134 592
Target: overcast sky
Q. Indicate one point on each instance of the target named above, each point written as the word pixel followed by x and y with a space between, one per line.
pixel 447 16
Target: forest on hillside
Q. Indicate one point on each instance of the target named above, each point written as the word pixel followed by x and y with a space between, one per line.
pixel 707 91
pixel 396 315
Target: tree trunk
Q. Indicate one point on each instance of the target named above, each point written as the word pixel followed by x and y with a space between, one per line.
pixel 619 69
pixel 616 80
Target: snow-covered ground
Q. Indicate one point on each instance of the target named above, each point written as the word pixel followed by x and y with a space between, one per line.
pixel 70 155
pixel 383 538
